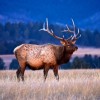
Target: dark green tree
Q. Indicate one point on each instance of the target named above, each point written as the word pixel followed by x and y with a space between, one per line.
pixel 89 60
pixel 66 66
pixel 2 64
pixel 14 64
pixel 79 63
pixel 96 62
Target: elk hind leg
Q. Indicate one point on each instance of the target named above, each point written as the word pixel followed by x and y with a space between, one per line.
pixel 22 69
pixel 18 72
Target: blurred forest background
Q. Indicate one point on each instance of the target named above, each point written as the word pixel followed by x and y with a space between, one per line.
pixel 14 34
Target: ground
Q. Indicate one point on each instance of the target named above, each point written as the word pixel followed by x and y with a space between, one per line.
pixel 73 85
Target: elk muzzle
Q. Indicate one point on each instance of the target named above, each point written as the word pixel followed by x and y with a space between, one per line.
pixel 76 48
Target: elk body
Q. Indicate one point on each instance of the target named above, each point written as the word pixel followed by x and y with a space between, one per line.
pixel 45 56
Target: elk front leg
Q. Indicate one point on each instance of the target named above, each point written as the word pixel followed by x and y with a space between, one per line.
pixel 55 70
pixel 46 69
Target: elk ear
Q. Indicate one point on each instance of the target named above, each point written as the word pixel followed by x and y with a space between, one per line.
pixel 63 42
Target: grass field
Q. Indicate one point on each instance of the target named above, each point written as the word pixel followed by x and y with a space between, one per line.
pixel 73 85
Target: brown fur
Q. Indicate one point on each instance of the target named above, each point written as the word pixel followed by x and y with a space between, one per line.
pixel 42 57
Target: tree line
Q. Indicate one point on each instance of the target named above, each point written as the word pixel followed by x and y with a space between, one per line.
pixel 86 62
pixel 14 34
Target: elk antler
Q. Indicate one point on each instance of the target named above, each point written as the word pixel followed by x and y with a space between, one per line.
pixel 46 29
pixel 75 36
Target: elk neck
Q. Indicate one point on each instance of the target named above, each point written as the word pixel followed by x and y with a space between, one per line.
pixel 65 55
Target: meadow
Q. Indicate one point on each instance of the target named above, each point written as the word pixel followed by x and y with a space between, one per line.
pixel 73 85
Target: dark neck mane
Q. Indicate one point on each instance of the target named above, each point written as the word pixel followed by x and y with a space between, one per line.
pixel 65 55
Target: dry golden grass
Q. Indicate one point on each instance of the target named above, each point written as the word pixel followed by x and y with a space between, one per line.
pixel 73 85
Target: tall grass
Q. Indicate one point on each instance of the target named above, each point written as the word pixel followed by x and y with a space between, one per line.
pixel 73 85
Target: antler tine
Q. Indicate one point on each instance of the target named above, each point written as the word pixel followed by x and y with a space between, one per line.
pixel 71 31
pixel 75 36
pixel 46 29
pixel 70 37
pixel 68 30
pixel 78 34
pixel 43 29
pixel 47 23
pixel 74 27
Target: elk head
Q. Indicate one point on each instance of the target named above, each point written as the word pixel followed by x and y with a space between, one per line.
pixel 68 43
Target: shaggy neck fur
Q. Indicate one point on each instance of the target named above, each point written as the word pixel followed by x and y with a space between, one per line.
pixel 64 55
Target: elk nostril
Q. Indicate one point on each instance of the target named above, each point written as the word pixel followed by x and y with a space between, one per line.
pixel 76 48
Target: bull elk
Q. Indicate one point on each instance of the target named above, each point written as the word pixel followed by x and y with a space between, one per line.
pixel 46 56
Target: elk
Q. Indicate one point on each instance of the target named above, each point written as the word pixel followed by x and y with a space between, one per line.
pixel 47 56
